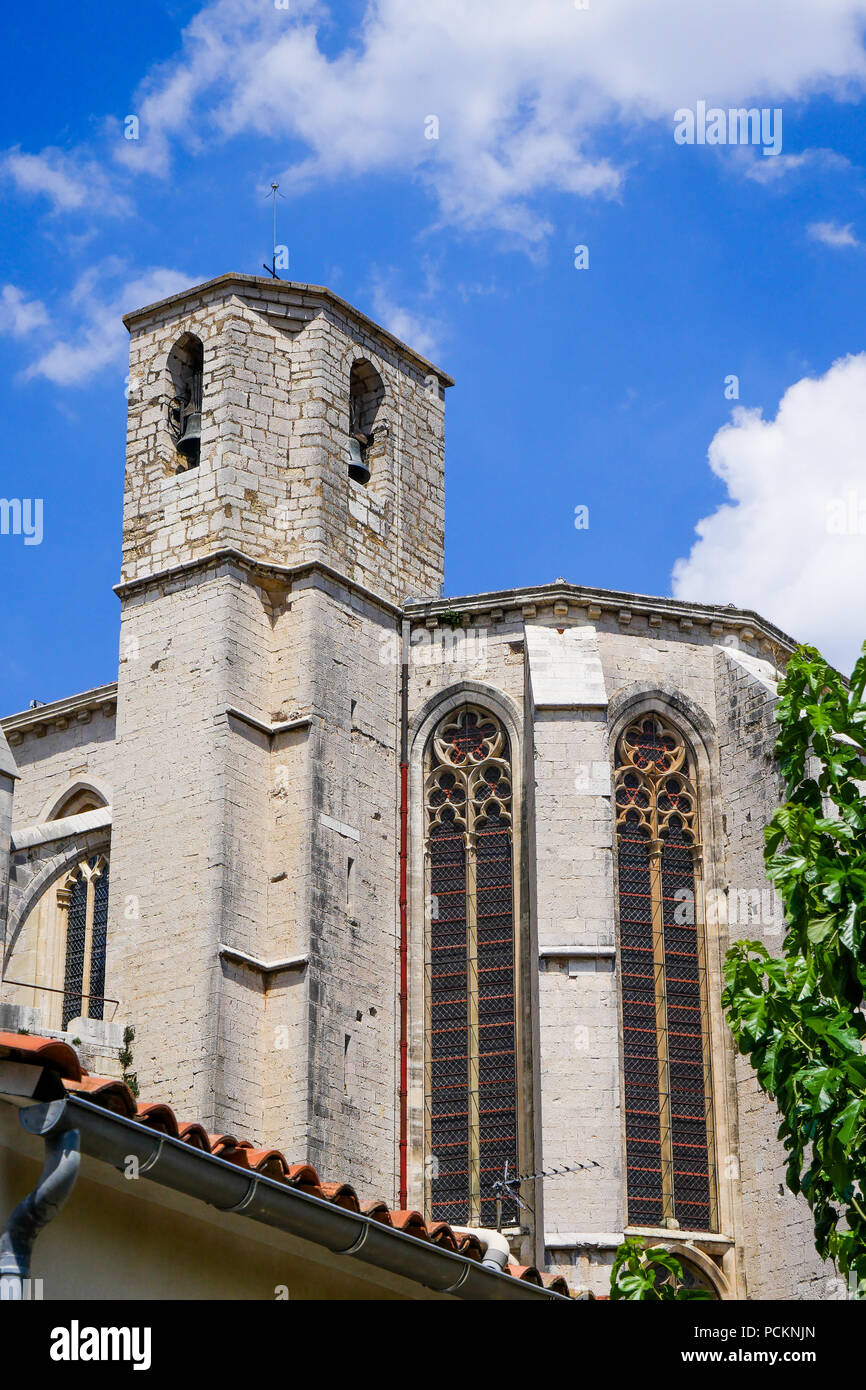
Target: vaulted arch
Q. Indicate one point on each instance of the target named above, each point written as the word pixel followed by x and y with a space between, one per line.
pixel 55 955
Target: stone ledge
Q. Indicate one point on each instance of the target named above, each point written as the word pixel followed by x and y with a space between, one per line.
pixel 577 952
pixel 282 575
pixel 610 602
pixel 582 1240
pixel 262 967
pixel 32 835
pixel 61 712
pixel 265 728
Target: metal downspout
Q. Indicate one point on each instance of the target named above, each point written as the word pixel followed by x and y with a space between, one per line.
pixel 169 1162
pixel 33 1212
pixel 404 923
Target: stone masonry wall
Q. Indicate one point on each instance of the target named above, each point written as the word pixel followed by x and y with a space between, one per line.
pixel 189 842
pixel 53 756
pixel 352 908
pixel 779 1254
pixel 574 906
pixel 230 831
pixel 273 480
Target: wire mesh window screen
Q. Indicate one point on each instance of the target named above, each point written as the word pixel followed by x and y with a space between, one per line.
pixel 471 1079
pixel 666 1047
pixel 97 949
pixel 86 937
pixel 76 937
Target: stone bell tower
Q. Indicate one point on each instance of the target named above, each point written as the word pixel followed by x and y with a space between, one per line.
pixel 284 496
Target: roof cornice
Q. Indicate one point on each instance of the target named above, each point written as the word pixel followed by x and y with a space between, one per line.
pixel 259 569
pixel 598 602
pixel 278 291
pixel 61 712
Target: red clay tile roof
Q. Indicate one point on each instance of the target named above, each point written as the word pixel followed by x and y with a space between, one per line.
pixel 48 1052
pixel 116 1096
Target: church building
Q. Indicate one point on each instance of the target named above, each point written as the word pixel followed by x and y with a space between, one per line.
pixel 424 896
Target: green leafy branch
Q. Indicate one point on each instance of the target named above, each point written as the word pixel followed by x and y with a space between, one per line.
pixel 800 1018
pixel 125 1059
pixel 651 1274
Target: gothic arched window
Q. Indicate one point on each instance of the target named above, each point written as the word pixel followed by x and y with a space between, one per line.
pixel 84 896
pixel 470 1061
pixel 666 1053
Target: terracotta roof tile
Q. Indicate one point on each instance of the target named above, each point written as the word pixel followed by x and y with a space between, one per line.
pixel 341 1194
pixel 469 1245
pixel 115 1095
pixel 304 1177
pixel 441 1234
pixel 194 1135
pixel 49 1052
pixel 106 1091
pixel 231 1149
pixel 378 1211
pixel 159 1117
pixel 556 1282
pixel 411 1222
pixel 270 1162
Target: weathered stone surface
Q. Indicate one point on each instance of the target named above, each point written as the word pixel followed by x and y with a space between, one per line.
pixel 252 776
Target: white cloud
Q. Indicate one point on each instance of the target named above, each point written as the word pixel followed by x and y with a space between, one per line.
pixel 521 92
pixel 791 542
pixel 777 169
pixel 831 234
pixel 417 330
pixel 99 339
pixel 70 182
pixel 525 95
pixel 19 315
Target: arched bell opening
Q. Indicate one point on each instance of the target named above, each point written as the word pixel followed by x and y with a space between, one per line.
pixel 186 373
pixel 366 394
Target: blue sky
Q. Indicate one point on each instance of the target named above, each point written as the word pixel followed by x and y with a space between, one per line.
pixel 602 386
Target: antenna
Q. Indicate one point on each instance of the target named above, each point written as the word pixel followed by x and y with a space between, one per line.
pixel 505 1188
pixel 272 268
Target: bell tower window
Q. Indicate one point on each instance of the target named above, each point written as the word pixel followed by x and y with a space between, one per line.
pixel 366 393
pixel 186 371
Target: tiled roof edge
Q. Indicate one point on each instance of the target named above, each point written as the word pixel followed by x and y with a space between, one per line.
pixel 110 1102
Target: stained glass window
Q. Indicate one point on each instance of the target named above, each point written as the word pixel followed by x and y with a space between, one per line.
pixel 666 1053
pixel 471 1079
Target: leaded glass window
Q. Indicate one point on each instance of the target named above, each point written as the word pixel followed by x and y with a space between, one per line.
pixel 470 1061
pixel 84 895
pixel 666 1052
pixel 76 934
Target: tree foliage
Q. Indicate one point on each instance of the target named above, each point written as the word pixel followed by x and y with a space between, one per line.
pixel 800 1018
pixel 652 1275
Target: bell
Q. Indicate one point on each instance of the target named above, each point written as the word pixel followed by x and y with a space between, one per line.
pixel 358 469
pixel 190 441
